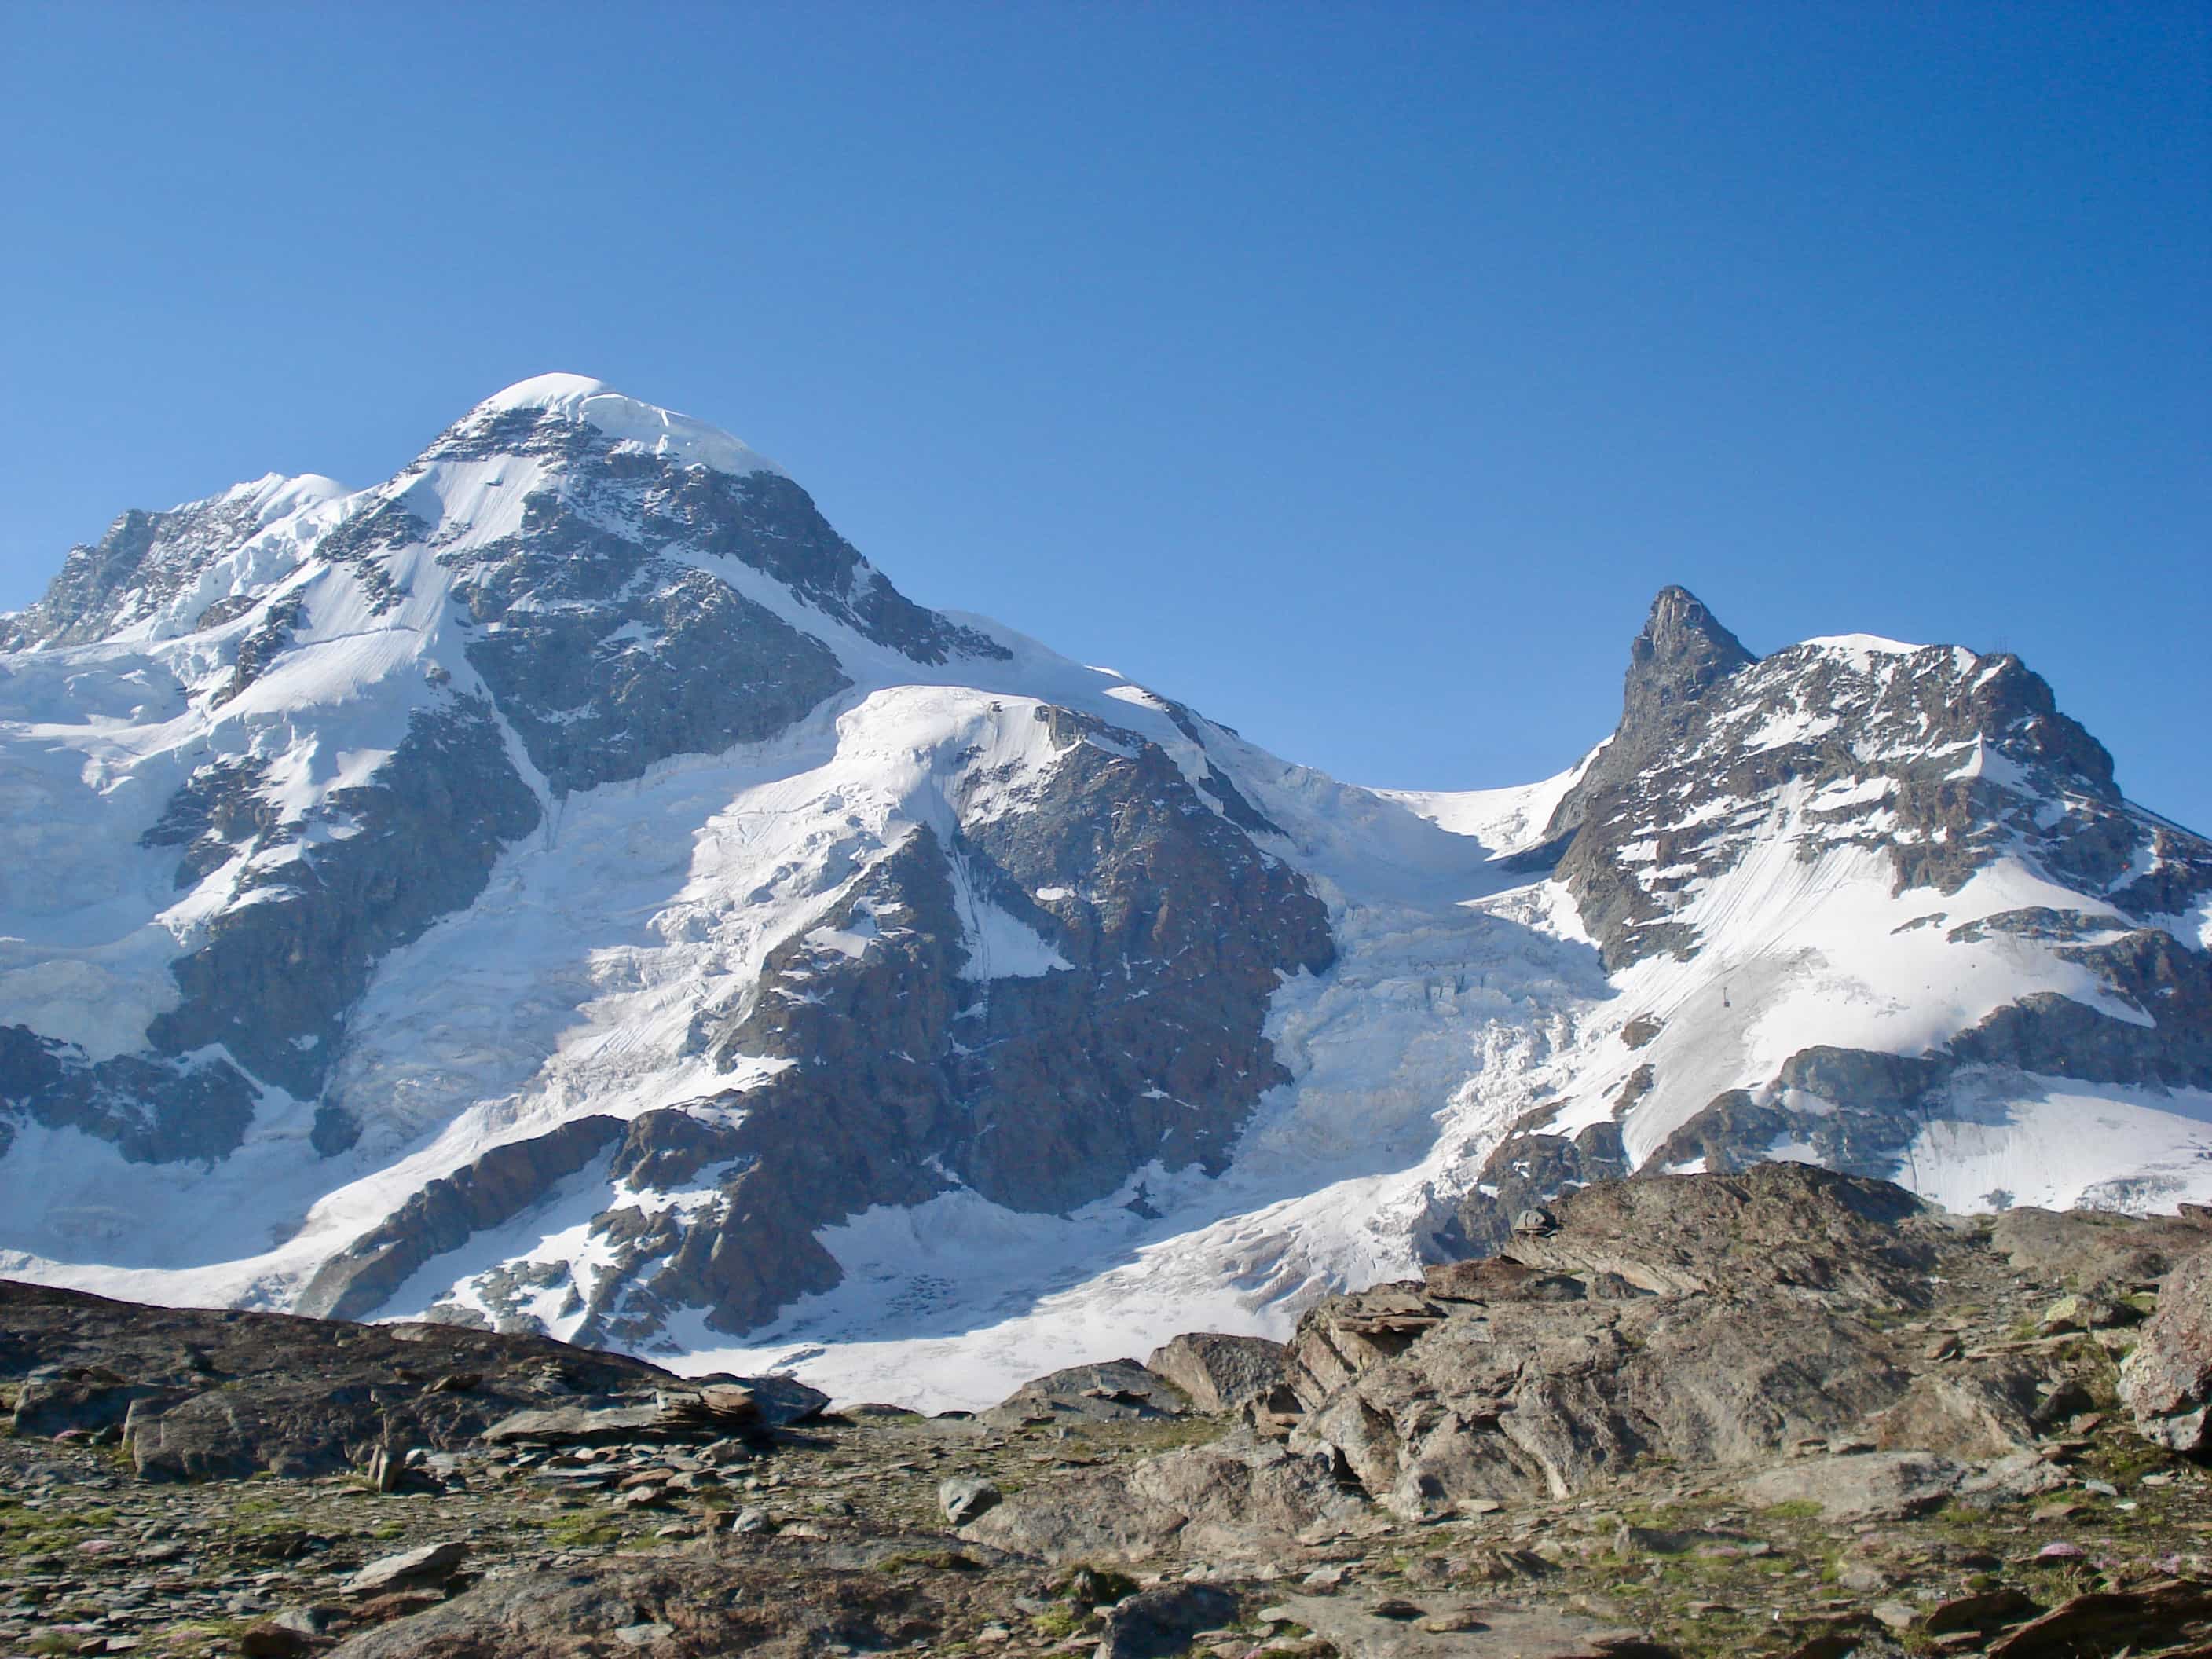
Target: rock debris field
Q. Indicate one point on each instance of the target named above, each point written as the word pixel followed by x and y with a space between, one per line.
pixel 1777 1412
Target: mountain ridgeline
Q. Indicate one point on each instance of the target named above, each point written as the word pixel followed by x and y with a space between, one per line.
pixel 566 888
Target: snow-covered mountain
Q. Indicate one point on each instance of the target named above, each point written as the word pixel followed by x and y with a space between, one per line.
pixel 566 886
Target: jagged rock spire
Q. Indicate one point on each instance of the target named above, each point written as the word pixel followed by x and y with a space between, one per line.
pixel 1682 651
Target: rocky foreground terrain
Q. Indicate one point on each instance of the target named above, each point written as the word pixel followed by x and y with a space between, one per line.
pixel 1777 1412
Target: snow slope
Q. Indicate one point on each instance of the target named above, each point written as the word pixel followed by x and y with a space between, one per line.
pixel 1468 997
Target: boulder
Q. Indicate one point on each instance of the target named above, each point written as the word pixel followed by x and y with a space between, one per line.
pixel 1117 1391
pixel 430 1564
pixel 1239 1497
pixel 570 1425
pixel 1221 1373
pixel 1157 1622
pixel 2110 1621
pixel 2076 1312
pixel 1859 1487
pixel 799 1598
pixel 1984 1610
pixel 704 1413
pixel 273 1641
pixel 2166 1381
pixel 730 1402
pixel 964 1498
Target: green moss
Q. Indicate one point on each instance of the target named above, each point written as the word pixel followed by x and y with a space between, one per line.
pixel 582 1532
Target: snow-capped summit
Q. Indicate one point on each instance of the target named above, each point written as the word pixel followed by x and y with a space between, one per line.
pixel 625 419
pixel 566 886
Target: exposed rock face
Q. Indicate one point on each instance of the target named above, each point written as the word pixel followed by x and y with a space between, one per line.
pixel 608 653
pixel 1941 757
pixel 910 1061
pixel 1682 652
pixel 154 1108
pixel 2099 1253
pixel 1859 1109
pixel 756 516
pixel 1230 1498
pixel 273 980
pixel 602 653
pixel 209 1396
pixel 1715 1321
pixel 1222 1373
pixel 496 1187
pixel 2168 1379
pixel 147 560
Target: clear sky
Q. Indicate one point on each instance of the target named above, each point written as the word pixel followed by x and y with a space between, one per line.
pixel 1356 373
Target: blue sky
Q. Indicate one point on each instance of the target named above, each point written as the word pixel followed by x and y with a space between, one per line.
pixel 1356 373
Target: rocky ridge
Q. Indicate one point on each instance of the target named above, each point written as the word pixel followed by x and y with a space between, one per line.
pixel 1734 782
pixel 565 887
pixel 1556 1451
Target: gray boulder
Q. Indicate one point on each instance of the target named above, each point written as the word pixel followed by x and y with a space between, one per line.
pixel 1221 1373
pixel 708 1413
pixel 1860 1486
pixel 1236 1498
pixel 2166 1381
pixel 1155 1623
pixel 1118 1391
pixel 432 1564
pixel 964 1498
pixel 1492 1631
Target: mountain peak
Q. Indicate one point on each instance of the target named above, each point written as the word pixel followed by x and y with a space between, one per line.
pixel 626 420
pixel 1681 652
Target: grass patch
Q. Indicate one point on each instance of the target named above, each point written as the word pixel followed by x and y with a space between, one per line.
pixel 582 1532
